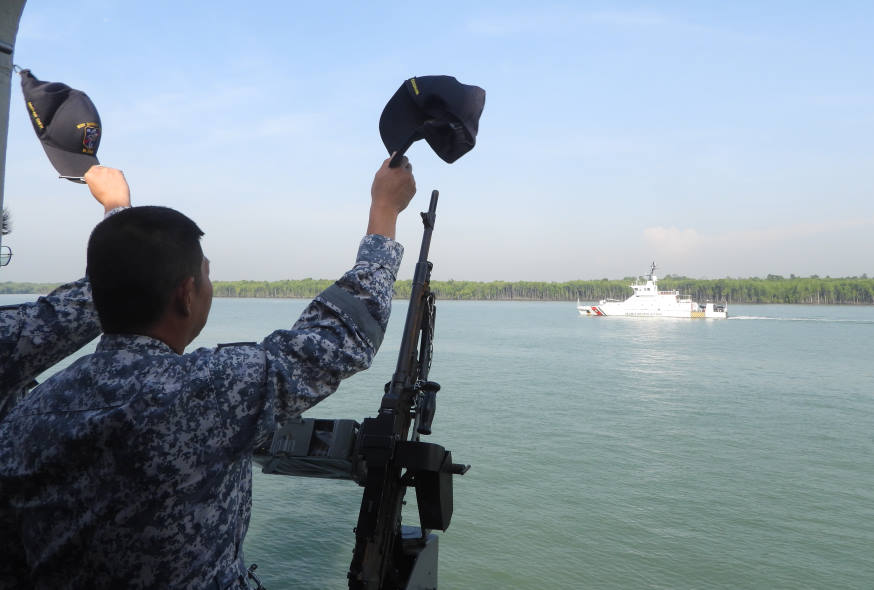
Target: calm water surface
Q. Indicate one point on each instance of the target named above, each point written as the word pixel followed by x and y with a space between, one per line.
pixel 612 452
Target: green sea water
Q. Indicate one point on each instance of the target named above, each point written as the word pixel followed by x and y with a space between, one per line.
pixel 612 452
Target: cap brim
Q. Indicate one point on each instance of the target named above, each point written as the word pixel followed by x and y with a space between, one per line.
pixel 69 163
pixel 401 121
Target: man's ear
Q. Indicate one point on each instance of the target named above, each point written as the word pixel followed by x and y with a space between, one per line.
pixel 184 296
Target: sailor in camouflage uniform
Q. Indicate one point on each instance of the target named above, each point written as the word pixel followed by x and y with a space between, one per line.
pixel 132 468
pixel 35 336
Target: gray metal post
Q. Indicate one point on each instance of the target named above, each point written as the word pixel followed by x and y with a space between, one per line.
pixel 10 15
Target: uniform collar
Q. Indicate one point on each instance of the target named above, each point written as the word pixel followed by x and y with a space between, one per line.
pixel 133 343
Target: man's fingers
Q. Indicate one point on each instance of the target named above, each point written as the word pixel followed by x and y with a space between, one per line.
pixel 98 170
pixel 90 172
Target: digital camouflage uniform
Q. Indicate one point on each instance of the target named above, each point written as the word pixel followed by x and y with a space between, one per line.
pixel 35 336
pixel 133 467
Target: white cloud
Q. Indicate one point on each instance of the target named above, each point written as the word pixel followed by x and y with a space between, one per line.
pixel 555 20
pixel 670 240
pixel 804 248
pixel 628 18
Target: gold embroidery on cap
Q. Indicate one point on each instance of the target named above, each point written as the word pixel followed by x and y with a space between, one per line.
pixel 35 116
pixel 415 88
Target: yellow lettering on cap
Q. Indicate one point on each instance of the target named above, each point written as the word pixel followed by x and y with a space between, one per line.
pixel 80 125
pixel 33 113
pixel 415 88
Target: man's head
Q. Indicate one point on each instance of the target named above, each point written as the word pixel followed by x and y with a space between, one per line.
pixel 145 264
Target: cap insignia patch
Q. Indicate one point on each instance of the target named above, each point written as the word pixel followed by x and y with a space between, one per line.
pixel 90 137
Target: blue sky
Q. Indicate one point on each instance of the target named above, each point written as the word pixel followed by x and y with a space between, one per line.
pixel 718 139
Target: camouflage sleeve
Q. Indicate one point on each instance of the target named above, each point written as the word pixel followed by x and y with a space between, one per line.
pixel 13 566
pixel 35 336
pixel 336 336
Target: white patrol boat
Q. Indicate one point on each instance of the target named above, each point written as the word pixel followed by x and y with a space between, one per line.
pixel 648 301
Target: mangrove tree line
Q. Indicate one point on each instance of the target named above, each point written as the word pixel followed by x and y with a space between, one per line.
pixel 771 289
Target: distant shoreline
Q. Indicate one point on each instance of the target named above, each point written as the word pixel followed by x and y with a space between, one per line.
pixel 772 289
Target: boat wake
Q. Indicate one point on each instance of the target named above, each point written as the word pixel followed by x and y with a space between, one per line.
pixel 820 320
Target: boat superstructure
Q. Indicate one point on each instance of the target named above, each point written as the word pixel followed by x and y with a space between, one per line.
pixel 648 301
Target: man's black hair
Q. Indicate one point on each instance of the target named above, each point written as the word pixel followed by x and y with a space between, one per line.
pixel 136 259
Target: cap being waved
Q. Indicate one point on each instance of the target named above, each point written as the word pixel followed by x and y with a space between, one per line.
pixel 439 109
pixel 66 123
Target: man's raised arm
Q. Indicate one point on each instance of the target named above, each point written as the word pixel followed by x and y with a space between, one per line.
pixel 34 336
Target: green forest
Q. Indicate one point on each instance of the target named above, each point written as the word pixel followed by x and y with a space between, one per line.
pixel 771 289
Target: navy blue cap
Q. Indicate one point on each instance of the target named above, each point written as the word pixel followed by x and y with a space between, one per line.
pixel 439 109
pixel 66 123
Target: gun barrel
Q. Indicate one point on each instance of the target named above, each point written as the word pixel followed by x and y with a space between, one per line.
pixel 397 398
